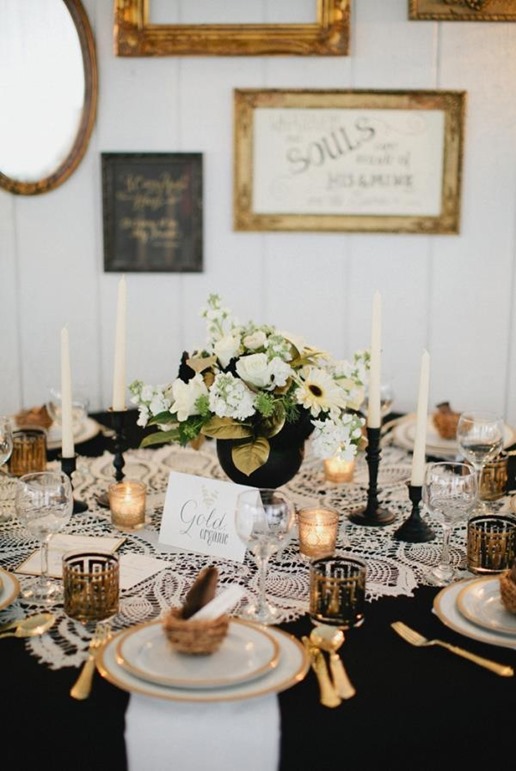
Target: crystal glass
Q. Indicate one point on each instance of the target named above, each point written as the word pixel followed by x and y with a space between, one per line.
pixel 6 440
pixel 480 438
pixel 264 520
pixel 449 493
pixel 44 503
pixel 80 406
pixel 386 400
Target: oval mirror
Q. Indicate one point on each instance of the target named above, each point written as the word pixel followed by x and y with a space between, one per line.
pixel 48 92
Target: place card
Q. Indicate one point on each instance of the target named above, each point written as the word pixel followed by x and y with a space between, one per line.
pixel 199 516
pixel 61 543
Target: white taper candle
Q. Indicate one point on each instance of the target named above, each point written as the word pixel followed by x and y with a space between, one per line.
pixel 67 445
pixel 419 455
pixel 120 343
pixel 373 400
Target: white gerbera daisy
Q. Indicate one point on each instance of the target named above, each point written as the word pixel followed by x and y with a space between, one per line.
pixel 318 392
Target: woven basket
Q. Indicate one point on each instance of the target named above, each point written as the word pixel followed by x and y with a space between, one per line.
pixel 508 591
pixel 197 637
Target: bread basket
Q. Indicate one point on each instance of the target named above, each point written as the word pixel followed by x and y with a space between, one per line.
pixel 508 591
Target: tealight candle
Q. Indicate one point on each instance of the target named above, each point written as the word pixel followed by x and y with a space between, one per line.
pixel 318 528
pixel 127 505
pixel 338 470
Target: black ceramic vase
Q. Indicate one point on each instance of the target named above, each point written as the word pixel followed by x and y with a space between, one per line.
pixel 285 458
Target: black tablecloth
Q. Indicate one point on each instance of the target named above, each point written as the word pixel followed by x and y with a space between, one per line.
pixel 414 709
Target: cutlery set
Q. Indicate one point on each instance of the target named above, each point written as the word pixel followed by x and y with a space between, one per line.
pixel 82 687
pixel 334 684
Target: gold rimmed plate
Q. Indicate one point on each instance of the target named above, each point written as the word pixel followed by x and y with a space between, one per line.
pixel 9 588
pixel 480 602
pixel 247 652
pixel 447 610
pixel 292 667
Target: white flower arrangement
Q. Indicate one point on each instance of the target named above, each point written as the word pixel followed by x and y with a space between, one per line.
pixel 247 383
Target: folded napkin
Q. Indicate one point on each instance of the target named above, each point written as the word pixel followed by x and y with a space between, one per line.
pixel 219 736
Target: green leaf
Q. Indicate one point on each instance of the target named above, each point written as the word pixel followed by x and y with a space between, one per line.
pixel 226 428
pixel 160 437
pixel 162 417
pixel 251 456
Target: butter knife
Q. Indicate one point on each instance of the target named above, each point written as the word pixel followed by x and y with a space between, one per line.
pixel 328 695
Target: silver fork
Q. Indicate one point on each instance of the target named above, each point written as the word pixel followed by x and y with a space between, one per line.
pixel 82 686
pixel 414 638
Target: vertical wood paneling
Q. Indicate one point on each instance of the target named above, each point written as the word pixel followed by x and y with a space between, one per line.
pixel 452 294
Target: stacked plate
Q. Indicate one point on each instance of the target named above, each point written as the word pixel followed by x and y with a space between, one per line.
pixel 404 435
pixel 9 588
pixel 252 661
pixel 474 608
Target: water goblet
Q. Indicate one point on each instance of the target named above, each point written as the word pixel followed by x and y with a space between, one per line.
pixel 6 440
pixel 264 521
pixel 386 400
pixel 449 493
pixel 44 503
pixel 480 438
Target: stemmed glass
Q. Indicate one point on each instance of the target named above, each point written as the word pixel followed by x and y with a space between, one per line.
pixel 480 437
pixel 386 400
pixel 449 492
pixel 44 503
pixel 6 440
pixel 264 521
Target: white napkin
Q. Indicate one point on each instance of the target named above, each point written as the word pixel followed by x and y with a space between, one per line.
pixel 216 736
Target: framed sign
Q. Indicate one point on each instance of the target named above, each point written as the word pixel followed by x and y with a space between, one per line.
pixel 136 35
pixel 152 212
pixel 462 10
pixel 384 161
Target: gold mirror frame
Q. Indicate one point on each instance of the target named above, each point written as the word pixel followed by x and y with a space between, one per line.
pixel 462 10
pixel 89 111
pixel 135 36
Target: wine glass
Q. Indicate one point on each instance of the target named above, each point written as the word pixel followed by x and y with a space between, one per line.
pixel 6 440
pixel 44 503
pixel 264 520
pixel 386 400
pixel 449 493
pixel 480 437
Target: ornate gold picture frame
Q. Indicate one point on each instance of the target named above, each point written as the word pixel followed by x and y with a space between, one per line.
pixel 462 10
pixel 380 161
pixel 134 35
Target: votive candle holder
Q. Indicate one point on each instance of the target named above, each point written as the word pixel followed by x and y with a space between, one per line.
pixel 318 529
pixel 338 470
pixel 127 502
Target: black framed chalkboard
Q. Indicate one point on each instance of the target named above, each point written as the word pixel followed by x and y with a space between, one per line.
pixel 152 212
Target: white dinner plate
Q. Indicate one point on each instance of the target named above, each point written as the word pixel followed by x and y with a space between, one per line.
pixel 88 429
pixel 481 603
pixel 404 435
pixel 9 588
pixel 446 608
pixel 292 667
pixel 247 652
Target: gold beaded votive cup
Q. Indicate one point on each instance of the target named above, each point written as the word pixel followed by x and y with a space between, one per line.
pixel 338 591
pixel 337 470
pixel 493 479
pixel 29 452
pixel 318 528
pixel 127 500
pixel 91 584
pixel 491 543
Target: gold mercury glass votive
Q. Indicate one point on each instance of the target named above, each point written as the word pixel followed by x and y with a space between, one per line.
pixel 493 480
pixel 29 452
pixel 338 470
pixel 318 528
pixel 127 504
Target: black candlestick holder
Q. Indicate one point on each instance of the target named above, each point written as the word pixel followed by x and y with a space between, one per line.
pixel 414 529
pixel 372 514
pixel 68 466
pixel 119 446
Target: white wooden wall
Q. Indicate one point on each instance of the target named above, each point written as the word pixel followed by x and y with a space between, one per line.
pixel 451 294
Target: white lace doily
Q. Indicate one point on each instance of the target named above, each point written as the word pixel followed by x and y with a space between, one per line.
pixel 394 567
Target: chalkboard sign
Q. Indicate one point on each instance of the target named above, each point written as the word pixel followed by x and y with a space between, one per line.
pixel 152 212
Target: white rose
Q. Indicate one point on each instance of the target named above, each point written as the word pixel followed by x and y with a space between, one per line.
pixel 226 349
pixel 256 340
pixel 185 396
pixel 254 369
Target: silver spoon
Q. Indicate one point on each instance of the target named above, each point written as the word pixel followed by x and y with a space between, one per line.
pixel 330 640
pixel 31 626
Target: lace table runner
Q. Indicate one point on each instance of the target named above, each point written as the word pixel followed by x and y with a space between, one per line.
pixel 394 567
